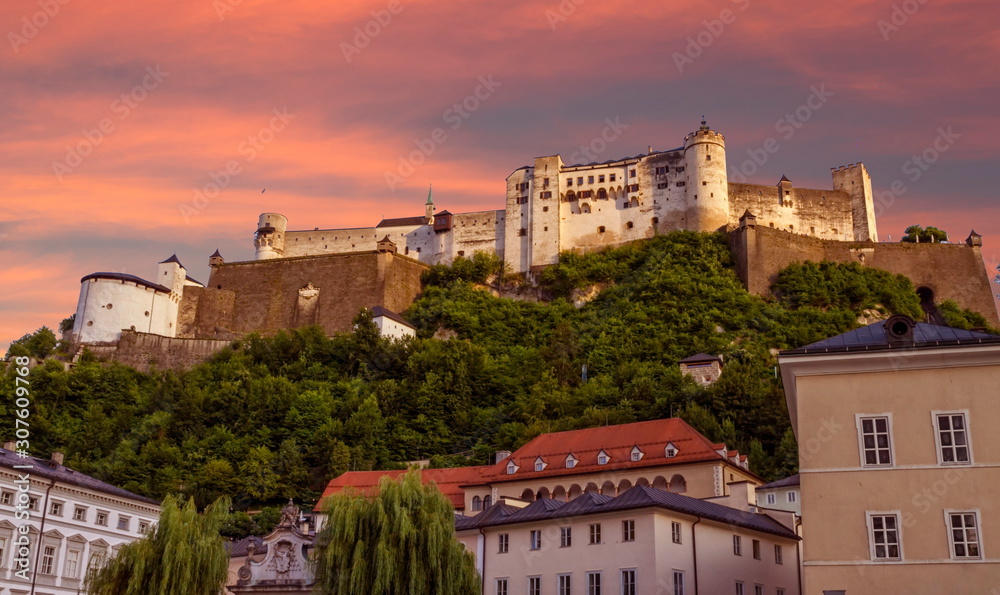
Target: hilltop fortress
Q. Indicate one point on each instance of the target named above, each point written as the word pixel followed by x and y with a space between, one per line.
pixel 553 207
pixel 325 276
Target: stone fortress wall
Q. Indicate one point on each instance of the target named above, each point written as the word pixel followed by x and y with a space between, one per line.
pixel 325 276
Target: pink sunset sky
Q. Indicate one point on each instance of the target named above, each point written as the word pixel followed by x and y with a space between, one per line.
pixel 115 117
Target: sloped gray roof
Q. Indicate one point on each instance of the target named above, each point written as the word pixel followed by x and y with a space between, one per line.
pixel 873 338
pixel 637 497
pixel 791 480
pixel 126 277
pixel 62 474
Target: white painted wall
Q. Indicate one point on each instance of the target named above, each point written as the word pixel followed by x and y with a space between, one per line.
pixel 393 329
pixel 106 306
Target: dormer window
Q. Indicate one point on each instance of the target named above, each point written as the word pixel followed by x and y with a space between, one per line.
pixel 539 464
pixel 511 468
pixel 670 451
pixel 636 454
pixel 570 461
pixel 602 458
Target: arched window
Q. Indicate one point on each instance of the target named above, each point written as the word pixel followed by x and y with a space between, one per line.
pixel 602 193
pixel 677 484
pixel 477 503
pixel 584 207
pixel 487 501
pixel 527 495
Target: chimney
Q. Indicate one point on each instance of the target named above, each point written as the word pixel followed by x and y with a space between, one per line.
pixel 57 458
pixel 502 455
pixel 742 495
pixel 9 445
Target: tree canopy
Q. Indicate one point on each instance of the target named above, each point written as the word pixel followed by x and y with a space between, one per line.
pixel 182 555
pixel 925 235
pixel 398 541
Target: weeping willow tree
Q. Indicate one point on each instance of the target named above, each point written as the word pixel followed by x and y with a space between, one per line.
pixel 400 541
pixel 183 555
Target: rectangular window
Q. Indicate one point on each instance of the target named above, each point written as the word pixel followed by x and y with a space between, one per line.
pixel 56 509
pixel 681 184
pixel 779 591
pixel 680 169
pixel 675 532
pixel 633 188
pixel 660 171
pixel 501 586
pixel 6 498
pixel 678 582
pixel 595 533
pixel 628 582
pixel 771 498
pixel 534 585
pixel 579 181
pixel 587 194
pixel 662 185
pixel 72 565
pixel 565 536
pixel 503 543
pixel 953 439
pixel 536 540
pixel 593 583
pixel 739 588
pixel 611 177
pixel 737 545
pixel 884 536
pixel 545 182
pixel 590 179
pixel 756 549
pixel 102 518
pixel 758 590
pixel 778 557
pixel 964 535
pixel 79 513
pixel 631 173
pixel 546 194
pixel 48 557
pixel 565 584
pixel 876 450
pixel 123 522
pixel 600 179
pixel 791 497
pixel 3 549
pixel 569 181
pixel 628 530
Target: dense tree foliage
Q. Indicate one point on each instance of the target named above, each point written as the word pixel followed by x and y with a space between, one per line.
pixel 276 417
pixel 182 555
pixel 925 235
pixel 38 344
pixel 400 541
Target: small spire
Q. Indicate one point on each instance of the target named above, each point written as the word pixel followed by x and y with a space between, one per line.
pixel 430 190
pixel 704 124
pixel 216 253
pixel 173 258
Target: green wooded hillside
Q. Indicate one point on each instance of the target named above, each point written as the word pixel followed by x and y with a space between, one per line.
pixel 272 418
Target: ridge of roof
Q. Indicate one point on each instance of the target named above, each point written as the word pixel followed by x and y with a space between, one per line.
pixel 873 338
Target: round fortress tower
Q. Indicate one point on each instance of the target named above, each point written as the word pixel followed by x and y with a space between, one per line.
pixel 270 236
pixel 707 187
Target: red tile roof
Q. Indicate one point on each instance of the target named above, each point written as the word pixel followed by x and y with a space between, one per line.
pixel 616 441
pixel 447 480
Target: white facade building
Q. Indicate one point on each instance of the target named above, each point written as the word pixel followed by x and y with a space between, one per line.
pixel 67 521
pixel 392 325
pixel 112 302
pixel 782 494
